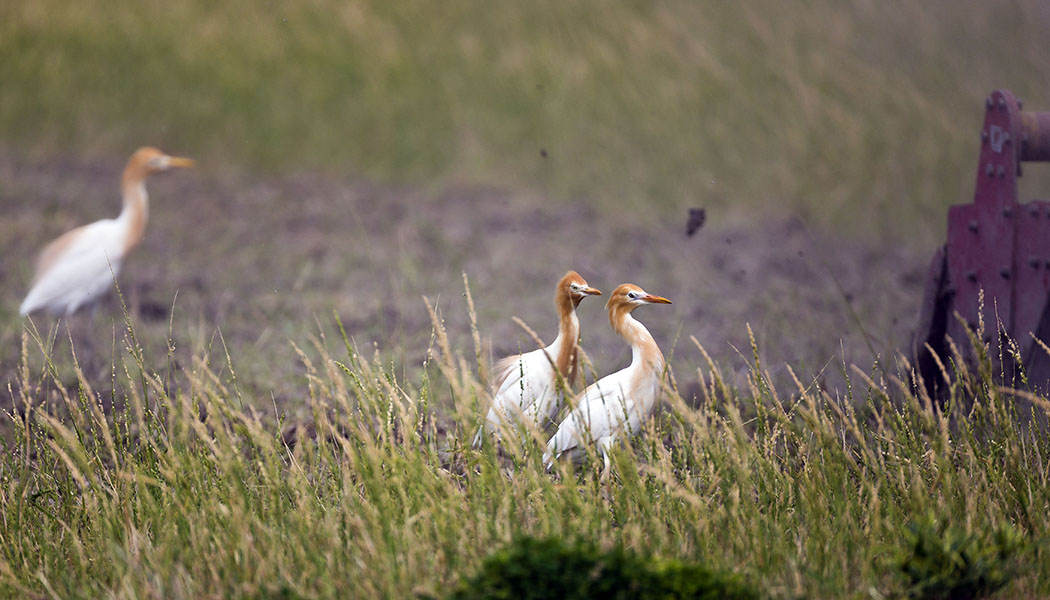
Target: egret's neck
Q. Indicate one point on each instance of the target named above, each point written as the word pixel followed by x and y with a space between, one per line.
pixel 565 344
pixel 135 212
pixel 568 329
pixel 645 354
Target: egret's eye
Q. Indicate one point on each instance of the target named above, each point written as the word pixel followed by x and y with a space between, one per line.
pixel 575 287
pixel 633 295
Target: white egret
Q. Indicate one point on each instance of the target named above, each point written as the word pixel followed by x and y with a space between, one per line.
pixel 527 386
pixel 620 402
pixel 80 265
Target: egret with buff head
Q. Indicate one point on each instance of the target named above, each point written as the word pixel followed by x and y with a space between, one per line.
pixel 79 266
pixel 618 403
pixel 527 385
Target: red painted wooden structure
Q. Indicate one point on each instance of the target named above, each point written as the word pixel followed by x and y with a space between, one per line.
pixel 996 245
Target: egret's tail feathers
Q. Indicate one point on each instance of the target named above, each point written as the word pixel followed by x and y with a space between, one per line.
pixel 28 305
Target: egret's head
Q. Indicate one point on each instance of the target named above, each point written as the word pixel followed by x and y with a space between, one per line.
pixel 148 160
pixel 574 287
pixel 628 297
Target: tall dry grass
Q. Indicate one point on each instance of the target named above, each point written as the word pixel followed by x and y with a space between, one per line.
pixel 177 486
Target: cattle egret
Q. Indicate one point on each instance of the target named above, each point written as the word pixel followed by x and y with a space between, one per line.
pixel 79 266
pixel 527 384
pixel 623 399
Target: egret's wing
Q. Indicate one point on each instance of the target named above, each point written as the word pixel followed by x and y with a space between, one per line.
pixel 505 368
pixel 76 268
pixel 53 251
pixel 600 410
pixel 524 380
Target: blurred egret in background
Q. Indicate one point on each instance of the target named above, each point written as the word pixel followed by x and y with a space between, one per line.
pixel 79 266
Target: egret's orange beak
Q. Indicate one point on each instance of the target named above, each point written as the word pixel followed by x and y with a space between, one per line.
pixel 178 161
pixel 651 299
pixel 589 291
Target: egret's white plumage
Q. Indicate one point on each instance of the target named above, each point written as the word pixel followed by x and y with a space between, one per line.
pixel 527 388
pixel 80 265
pixel 622 401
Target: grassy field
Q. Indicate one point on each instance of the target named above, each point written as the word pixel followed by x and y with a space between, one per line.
pixel 224 438
pixel 190 489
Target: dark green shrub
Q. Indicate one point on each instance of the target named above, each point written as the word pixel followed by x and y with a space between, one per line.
pixel 943 562
pixel 535 569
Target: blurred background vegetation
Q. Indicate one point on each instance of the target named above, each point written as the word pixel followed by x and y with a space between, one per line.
pixel 852 114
